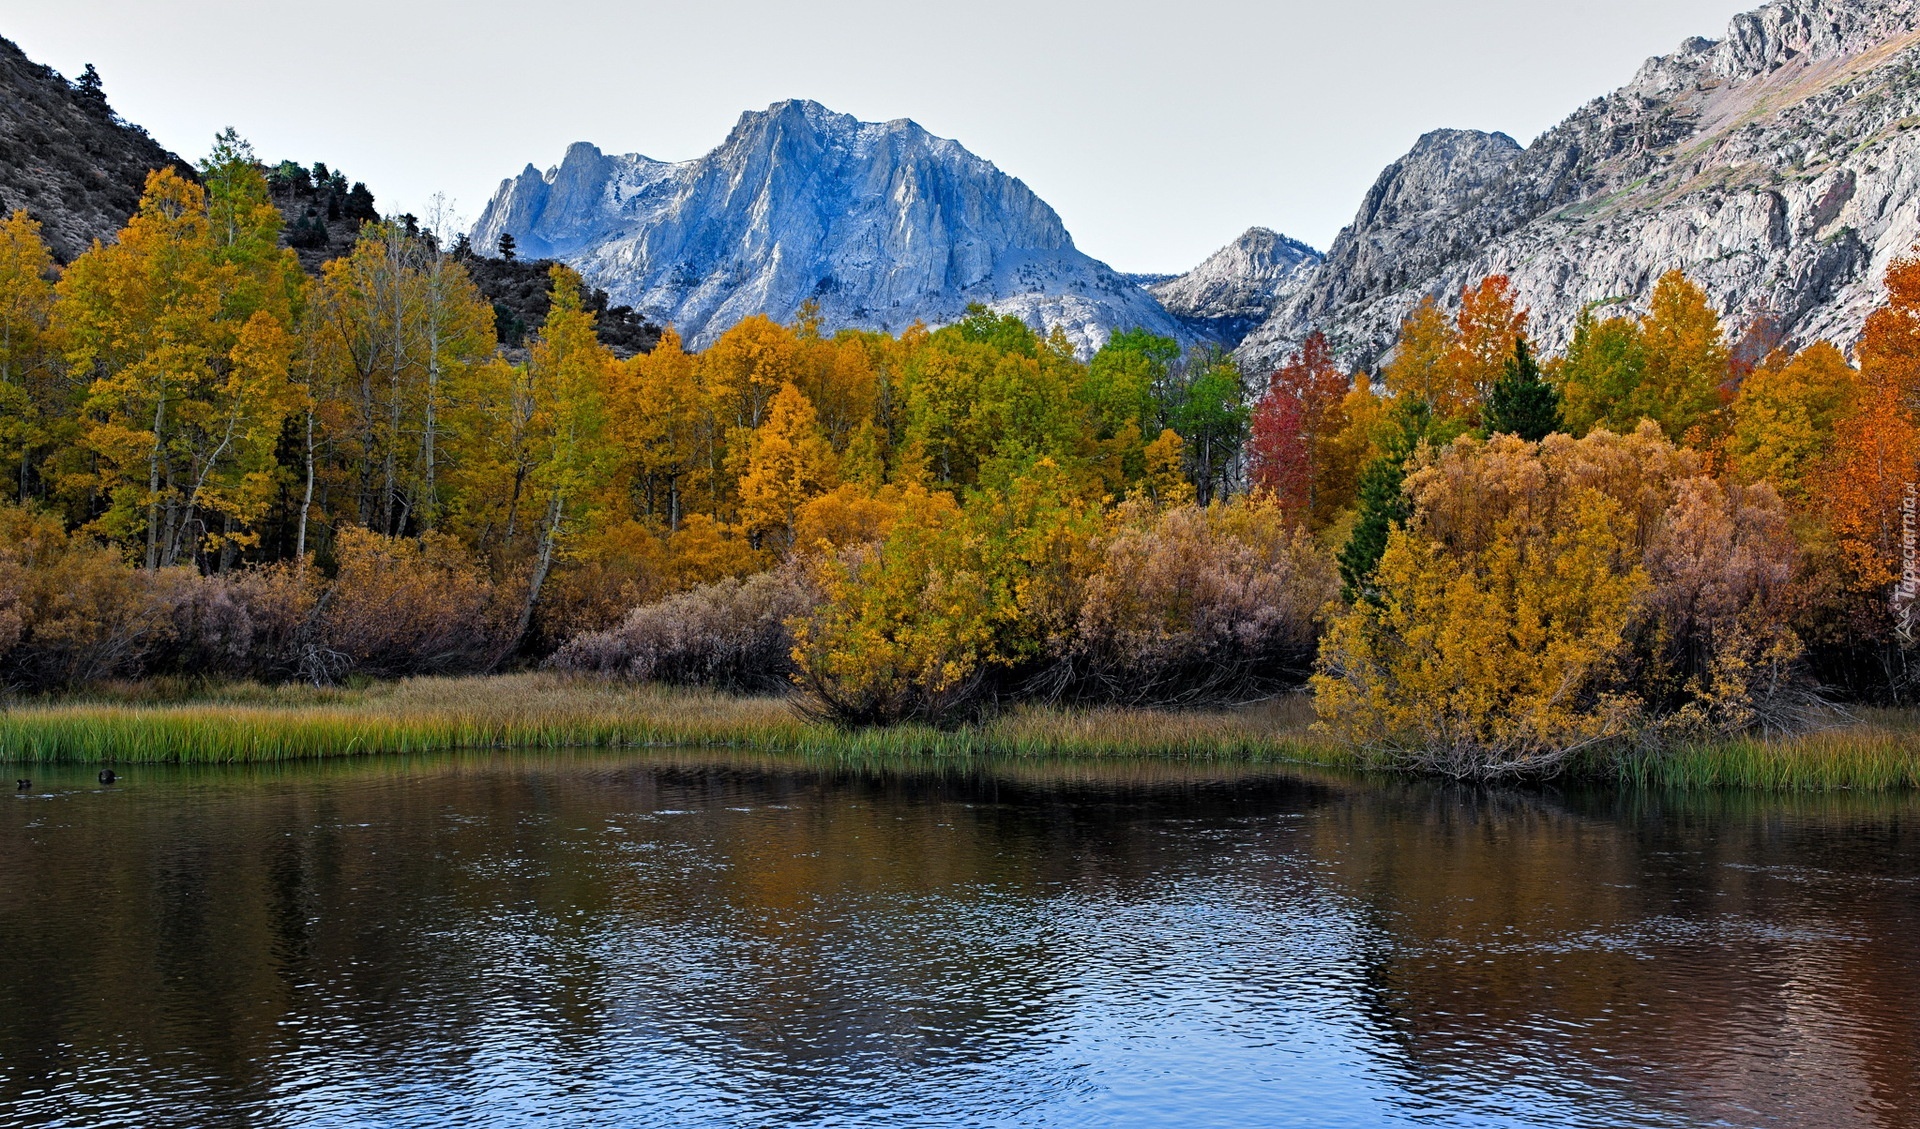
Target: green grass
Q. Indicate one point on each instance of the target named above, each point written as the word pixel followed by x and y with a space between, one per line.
pixel 1879 752
pixel 179 723
pixel 250 724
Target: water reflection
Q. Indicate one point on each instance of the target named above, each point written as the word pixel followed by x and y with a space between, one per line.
pixel 673 940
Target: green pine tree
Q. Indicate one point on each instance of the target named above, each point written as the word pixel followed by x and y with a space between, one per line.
pixel 1383 505
pixel 1383 501
pixel 1522 403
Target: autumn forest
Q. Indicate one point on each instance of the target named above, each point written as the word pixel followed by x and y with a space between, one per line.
pixel 219 464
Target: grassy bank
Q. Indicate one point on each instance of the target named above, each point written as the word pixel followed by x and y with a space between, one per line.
pixel 532 711
pixel 253 724
pixel 1879 751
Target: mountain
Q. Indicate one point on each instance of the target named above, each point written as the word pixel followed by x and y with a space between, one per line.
pixel 883 225
pixel 1239 286
pixel 67 158
pixel 1779 167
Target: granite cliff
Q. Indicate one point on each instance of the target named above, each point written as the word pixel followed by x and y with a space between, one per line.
pixel 1779 166
pixel 882 225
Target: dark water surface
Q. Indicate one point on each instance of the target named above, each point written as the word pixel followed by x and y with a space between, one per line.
pixel 615 941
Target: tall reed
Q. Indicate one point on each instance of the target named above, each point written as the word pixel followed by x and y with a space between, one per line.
pixel 252 724
pixel 160 722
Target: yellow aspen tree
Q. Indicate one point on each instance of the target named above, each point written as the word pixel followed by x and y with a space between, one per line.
pixel 489 423
pixel 745 367
pixel 184 338
pixel 1347 448
pixel 1685 358
pixel 1784 418
pixel 657 422
pixel 370 302
pixel 788 463
pixel 1419 369
pixel 405 325
pixel 1599 377
pixel 1166 478
pixel 838 375
pixel 568 382
pixel 27 411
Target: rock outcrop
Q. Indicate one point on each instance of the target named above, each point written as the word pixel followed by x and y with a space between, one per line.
pixel 1239 286
pixel 67 158
pixel 882 225
pixel 1779 167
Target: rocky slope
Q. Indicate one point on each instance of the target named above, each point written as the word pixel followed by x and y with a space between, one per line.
pixel 1239 286
pixel 881 224
pixel 67 158
pixel 1779 166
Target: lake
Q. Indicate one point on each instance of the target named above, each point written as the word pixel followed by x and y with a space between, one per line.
pixel 697 939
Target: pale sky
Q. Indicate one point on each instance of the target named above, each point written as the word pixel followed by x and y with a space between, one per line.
pixel 1157 131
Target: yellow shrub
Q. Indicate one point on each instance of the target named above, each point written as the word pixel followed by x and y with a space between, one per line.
pixel 915 628
pixel 1546 597
pixel 1499 662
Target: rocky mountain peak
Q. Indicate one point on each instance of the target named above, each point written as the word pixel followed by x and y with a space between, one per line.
pixel 880 224
pixel 1778 166
pixel 1436 173
pixel 1238 286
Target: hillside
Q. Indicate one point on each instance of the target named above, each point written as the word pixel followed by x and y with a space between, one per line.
pixel 66 157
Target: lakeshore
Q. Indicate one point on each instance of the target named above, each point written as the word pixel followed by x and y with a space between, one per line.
pixel 176 723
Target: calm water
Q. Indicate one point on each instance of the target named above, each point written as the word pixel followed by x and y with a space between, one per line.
pixel 621 942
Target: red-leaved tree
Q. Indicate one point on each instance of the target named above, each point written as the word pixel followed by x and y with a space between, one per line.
pixel 1290 422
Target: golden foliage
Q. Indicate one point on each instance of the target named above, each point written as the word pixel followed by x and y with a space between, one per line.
pixel 30 412
pixel 788 463
pixel 850 515
pixel 1037 593
pixel 1669 367
pixel 1784 417
pixel 703 549
pixel 1686 357
pixel 1638 592
pixel 187 341
pixel 1451 365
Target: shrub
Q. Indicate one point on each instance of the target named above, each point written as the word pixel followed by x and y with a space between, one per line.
pixel 933 622
pixel 71 611
pixel 256 623
pixel 399 606
pixel 1550 597
pixel 1716 652
pixel 1194 605
pixel 731 634
pixel 1034 592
